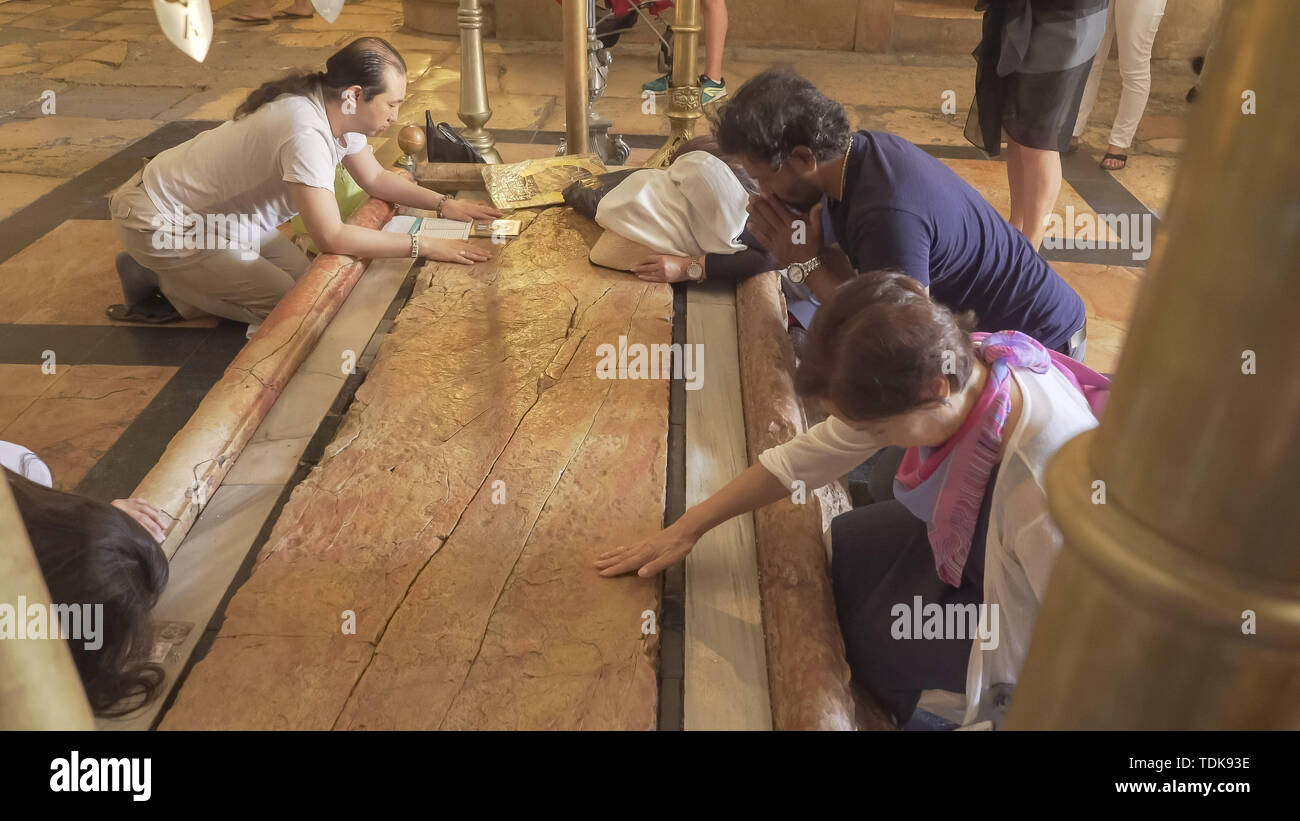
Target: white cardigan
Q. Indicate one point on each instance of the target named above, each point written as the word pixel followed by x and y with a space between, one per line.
pixel 1022 541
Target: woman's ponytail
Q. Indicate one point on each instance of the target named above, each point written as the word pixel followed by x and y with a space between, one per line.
pixel 298 82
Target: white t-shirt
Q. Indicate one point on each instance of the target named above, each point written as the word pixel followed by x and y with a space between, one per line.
pixel 243 167
pixel 1022 541
pixel 25 463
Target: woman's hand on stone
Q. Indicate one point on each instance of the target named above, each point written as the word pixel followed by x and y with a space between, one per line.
pixel 147 514
pixel 467 210
pixel 453 250
pixel 662 268
pixel 648 556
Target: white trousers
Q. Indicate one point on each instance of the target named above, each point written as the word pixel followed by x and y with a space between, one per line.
pixel 1134 24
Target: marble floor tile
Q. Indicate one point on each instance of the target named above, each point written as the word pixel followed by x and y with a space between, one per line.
pixel 508 111
pixel 313 39
pixel 213 104
pixel 77 419
pixel 67 277
pixel 1109 294
pixel 17 191
pixel 118 103
pixel 270 462
pixel 65 146
pixel 62 50
pixel 920 127
pixel 299 409
pixel 20 386
pixel 989 178
pixel 626 113
pixel 518 152
pixel 1150 179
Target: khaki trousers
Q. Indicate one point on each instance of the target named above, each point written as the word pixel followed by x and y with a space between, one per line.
pixel 231 283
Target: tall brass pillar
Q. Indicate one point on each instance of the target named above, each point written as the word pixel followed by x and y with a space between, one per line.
pixel 684 90
pixel 474 109
pixel 39 685
pixel 577 109
pixel 1175 603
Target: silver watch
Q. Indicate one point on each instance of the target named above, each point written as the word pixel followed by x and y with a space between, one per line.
pixel 694 271
pixel 799 271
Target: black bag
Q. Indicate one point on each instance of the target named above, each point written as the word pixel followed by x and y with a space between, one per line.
pixel 443 144
pixel 584 195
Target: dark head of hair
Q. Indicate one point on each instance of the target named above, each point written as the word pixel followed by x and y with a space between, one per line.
pixel 92 553
pixel 776 112
pixel 362 62
pixel 876 349
pixel 709 144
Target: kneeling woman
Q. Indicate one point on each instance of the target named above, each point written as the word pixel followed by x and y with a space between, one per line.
pixel 243 179
pixel 969 523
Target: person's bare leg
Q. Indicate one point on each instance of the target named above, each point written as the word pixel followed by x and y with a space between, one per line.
pixel 1040 185
pixel 1015 175
pixel 301 7
pixel 715 36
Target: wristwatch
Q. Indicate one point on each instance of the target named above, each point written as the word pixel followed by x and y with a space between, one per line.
pixel 695 271
pixel 799 271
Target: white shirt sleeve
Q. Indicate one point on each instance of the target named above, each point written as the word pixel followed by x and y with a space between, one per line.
pixel 357 142
pixel 305 158
pixel 822 454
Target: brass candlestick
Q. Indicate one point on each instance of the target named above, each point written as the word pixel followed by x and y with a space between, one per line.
pixel 474 110
pixel 684 91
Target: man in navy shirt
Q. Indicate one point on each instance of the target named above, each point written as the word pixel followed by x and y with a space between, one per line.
pixel 888 204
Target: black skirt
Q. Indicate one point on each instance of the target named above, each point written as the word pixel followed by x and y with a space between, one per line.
pixel 1031 67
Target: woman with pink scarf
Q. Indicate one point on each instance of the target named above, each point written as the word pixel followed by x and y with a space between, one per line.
pixel 968 530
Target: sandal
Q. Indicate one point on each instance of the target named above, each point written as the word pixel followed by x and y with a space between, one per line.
pixel 289 15
pixel 251 20
pixel 1123 159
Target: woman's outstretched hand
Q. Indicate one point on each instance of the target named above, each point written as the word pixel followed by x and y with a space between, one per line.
pixel 453 250
pixel 467 210
pixel 648 556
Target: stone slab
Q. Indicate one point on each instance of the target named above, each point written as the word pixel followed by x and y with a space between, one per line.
pixel 480 469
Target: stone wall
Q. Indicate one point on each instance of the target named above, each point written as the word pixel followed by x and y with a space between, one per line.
pixel 922 26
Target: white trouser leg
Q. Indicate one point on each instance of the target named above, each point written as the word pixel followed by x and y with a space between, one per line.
pixel 1136 23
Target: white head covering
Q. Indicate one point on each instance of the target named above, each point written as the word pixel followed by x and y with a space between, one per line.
pixel 696 206
pixel 25 463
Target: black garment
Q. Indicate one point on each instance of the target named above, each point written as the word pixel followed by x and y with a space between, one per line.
pixel 742 264
pixel 881 557
pixel 1032 65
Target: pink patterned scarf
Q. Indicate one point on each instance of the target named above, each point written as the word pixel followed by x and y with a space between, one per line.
pixel 944 486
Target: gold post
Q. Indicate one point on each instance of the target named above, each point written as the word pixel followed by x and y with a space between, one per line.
pixel 39 685
pixel 577 107
pixel 1176 601
pixel 474 110
pixel 684 91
